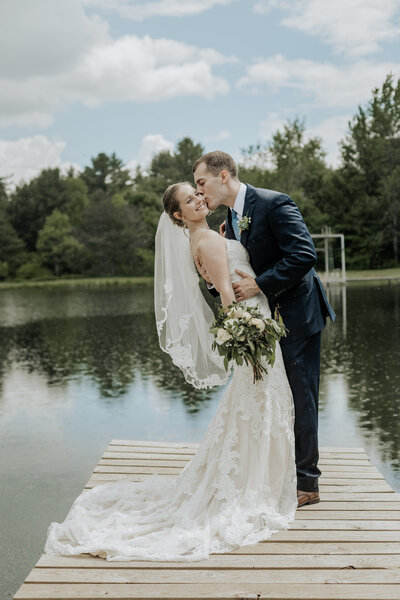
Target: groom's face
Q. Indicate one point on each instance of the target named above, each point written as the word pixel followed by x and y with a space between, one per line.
pixel 211 186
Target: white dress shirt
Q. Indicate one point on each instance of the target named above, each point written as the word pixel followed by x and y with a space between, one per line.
pixel 239 202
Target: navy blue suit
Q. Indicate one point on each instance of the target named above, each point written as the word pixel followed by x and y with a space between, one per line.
pixel 283 256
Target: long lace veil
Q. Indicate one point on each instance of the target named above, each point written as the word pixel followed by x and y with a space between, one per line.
pixel 183 317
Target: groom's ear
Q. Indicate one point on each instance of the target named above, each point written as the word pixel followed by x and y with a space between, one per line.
pixel 224 175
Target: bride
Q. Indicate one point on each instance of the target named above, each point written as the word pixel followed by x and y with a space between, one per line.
pixel 240 486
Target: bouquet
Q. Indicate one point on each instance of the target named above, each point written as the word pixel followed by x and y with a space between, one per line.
pixel 244 335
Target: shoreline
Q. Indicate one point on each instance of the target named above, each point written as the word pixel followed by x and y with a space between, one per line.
pixel 380 275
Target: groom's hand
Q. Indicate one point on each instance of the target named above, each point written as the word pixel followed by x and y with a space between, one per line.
pixel 202 270
pixel 245 289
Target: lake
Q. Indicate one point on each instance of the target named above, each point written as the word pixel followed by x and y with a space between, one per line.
pixel 80 366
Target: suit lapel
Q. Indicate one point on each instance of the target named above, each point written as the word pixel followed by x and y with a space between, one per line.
pixel 249 203
pixel 230 234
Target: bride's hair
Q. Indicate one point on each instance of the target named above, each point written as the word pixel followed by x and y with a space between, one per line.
pixel 171 202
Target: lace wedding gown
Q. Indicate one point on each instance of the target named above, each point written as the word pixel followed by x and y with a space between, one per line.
pixel 238 488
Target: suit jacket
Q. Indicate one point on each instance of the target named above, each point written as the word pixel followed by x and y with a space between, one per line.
pixel 282 254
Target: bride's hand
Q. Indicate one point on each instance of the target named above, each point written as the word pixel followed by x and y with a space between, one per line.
pixel 202 270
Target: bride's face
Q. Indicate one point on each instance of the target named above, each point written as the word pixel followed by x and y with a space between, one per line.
pixel 191 204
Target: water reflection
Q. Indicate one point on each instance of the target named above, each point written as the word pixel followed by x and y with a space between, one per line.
pixel 81 366
pixel 365 353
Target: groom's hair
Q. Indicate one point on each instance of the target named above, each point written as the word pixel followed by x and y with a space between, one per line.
pixel 216 162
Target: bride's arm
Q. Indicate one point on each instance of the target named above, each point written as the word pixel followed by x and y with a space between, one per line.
pixel 212 251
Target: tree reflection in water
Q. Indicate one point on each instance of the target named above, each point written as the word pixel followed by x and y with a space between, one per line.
pixel 110 350
pixel 110 338
pixel 368 355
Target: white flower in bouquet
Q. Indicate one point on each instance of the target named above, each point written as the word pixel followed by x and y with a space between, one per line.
pixel 230 322
pixel 247 337
pixel 258 323
pixel 222 336
pixel 235 312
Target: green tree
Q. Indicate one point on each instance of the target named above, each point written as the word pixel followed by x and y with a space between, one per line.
pixel 32 202
pixel 369 182
pixel 167 167
pixel 57 247
pixel 12 250
pixel 106 176
pixel 112 235
pixel 77 199
pixel 294 165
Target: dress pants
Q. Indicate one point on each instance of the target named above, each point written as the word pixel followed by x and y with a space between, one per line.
pixel 302 363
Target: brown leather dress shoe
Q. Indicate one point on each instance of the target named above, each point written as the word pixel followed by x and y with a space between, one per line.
pixel 304 498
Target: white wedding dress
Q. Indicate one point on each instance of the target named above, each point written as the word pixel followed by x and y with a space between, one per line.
pixel 238 489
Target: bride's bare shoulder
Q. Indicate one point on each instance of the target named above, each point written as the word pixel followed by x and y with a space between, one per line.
pixel 209 240
pixel 209 235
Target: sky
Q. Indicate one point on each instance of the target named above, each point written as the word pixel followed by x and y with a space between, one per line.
pixel 79 77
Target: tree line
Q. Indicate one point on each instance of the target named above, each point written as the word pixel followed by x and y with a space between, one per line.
pixel 102 221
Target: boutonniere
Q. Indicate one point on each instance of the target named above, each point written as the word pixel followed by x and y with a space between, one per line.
pixel 244 223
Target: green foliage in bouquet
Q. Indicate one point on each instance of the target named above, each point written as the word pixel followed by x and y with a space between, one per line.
pixel 244 335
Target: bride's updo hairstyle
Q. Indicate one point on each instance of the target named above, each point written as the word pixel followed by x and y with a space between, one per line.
pixel 171 202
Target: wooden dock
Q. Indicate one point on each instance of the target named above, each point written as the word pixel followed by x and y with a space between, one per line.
pixel 345 547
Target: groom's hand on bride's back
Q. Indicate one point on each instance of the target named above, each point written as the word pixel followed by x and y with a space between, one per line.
pixel 202 270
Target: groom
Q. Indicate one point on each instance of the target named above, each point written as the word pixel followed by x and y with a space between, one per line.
pixel 283 256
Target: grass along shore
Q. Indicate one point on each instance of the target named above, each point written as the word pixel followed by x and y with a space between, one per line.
pixel 122 282
pixel 127 282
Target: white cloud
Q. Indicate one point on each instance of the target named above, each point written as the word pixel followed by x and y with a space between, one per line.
pixel 150 146
pixel 332 130
pixel 265 6
pixel 271 124
pixel 139 10
pixel 354 28
pixel 324 84
pixel 23 159
pixel 44 37
pixel 44 67
pixel 218 137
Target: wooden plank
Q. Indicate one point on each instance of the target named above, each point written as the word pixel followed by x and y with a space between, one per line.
pixel 232 561
pixel 143 472
pixel 378 515
pixel 149 462
pixel 344 461
pixel 176 470
pixel 209 591
pixel 202 576
pixel 186 457
pixel 371 487
pixel 350 477
pixel 145 462
pixel 322 449
pixel 166 461
pixel 344 524
pixel 347 546
pixel 327 505
pixel 326 547
pixel 336 536
pixel 149 450
pixel 149 455
pixel 358 496
pixel 154 444
pixel 192 451
pixel 350 468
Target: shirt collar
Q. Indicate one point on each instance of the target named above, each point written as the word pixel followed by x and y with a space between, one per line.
pixel 239 202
